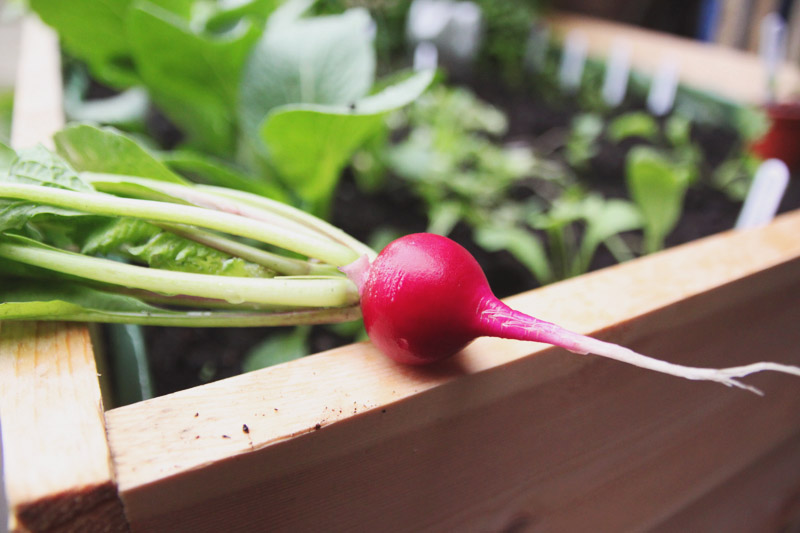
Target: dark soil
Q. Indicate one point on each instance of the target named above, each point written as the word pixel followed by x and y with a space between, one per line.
pixel 184 357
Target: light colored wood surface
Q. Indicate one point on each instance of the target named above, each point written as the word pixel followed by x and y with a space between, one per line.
pixel 57 469
pixel 731 73
pixel 38 96
pixel 56 461
pixel 506 435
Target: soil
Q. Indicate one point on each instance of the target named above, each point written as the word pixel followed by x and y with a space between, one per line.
pixel 183 357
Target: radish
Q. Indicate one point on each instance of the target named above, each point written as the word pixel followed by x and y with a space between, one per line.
pixel 425 297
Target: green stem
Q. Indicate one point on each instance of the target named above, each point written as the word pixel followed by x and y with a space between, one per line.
pixel 300 292
pixel 281 264
pixel 102 204
pixel 298 215
pixel 237 202
pixel 217 319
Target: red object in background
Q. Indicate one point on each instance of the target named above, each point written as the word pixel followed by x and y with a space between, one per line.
pixel 782 140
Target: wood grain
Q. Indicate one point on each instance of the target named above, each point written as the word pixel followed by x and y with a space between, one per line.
pixel 506 436
pixel 734 74
pixel 56 461
pixel 57 469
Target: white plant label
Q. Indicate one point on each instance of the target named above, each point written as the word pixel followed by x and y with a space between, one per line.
pixel 618 66
pixel 427 19
pixel 661 97
pixel 772 48
pixel 426 56
pixel 573 60
pixel 765 194
pixel 536 47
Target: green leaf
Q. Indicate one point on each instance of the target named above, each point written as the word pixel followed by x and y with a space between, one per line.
pixel 6 112
pixel 133 381
pixel 94 31
pixel 678 130
pixel 7 157
pixel 310 144
pixel 41 299
pixel 582 142
pixel 227 14
pixel 604 219
pixel 39 166
pixel 14 215
pixel 94 149
pixel 657 186
pixel 207 169
pixel 320 60
pixel 193 76
pixel 522 244
pixel 278 348
pixel 161 249
pixel 633 124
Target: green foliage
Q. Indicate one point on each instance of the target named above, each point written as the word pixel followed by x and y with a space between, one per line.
pixel 6 108
pixel 323 60
pixel 310 144
pixel 278 348
pixel 107 150
pixel 657 185
pixel 453 161
pixel 634 124
pixel 199 94
pixel 581 145
pixel 262 93
pixel 190 238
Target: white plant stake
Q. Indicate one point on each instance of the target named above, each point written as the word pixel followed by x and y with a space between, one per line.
pixel 426 56
pixel 462 35
pixel 765 194
pixel 772 47
pixel 662 93
pixel 536 47
pixel 618 67
pixel 573 60
pixel 427 19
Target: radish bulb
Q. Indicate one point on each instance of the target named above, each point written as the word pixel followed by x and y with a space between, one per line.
pixel 425 297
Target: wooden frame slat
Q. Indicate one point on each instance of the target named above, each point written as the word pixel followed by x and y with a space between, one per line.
pixel 507 434
pixel 737 75
pixel 57 468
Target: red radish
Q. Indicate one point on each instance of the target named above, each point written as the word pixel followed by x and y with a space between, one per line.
pixel 425 297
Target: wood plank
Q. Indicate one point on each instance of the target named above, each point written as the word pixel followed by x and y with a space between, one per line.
pixel 57 470
pixel 56 460
pixel 731 73
pixel 740 505
pixel 38 95
pixel 507 435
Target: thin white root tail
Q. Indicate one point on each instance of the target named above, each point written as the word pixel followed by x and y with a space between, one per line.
pixel 586 345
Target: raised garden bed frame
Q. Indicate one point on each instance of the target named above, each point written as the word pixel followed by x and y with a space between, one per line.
pixel 507 436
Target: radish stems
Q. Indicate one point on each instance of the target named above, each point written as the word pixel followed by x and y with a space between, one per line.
pixel 302 291
pixel 154 211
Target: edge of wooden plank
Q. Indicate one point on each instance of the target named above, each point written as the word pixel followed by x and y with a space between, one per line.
pixel 200 445
pixel 734 74
pixel 57 468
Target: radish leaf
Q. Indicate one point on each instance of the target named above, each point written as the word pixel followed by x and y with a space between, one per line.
pixel 89 148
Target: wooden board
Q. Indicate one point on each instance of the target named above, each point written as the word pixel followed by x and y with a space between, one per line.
pixel 56 463
pixel 731 73
pixel 506 436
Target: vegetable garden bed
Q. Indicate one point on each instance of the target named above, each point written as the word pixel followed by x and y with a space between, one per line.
pixel 347 440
